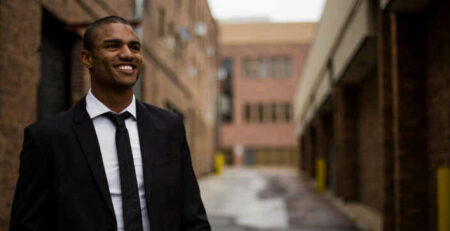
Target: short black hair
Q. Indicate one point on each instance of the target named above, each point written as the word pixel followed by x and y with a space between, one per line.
pixel 88 38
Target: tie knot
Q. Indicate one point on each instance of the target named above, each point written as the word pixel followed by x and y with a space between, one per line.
pixel 118 119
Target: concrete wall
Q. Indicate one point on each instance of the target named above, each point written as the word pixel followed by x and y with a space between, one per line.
pixel 344 27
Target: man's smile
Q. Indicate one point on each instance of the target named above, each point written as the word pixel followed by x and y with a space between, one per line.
pixel 125 68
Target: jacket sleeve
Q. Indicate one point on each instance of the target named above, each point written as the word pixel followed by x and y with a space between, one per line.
pixel 194 214
pixel 30 206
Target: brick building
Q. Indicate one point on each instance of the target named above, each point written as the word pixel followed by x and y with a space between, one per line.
pixel 373 102
pixel 41 72
pixel 261 65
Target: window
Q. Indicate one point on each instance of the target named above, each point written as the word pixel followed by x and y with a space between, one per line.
pixel 287 112
pixel 270 112
pixel 226 88
pixel 275 67
pixel 267 113
pixel 273 112
pixel 260 113
pixel 287 67
pixel 247 113
pixel 251 67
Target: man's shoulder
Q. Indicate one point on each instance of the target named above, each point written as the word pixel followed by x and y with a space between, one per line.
pixel 162 116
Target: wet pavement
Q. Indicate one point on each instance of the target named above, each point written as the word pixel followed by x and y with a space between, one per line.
pixel 268 199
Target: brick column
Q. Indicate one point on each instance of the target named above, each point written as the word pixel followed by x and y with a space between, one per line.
pixel 346 138
pixel 308 160
pixel 321 140
pixel 409 110
pixel 313 150
pixel 386 117
pixel 302 150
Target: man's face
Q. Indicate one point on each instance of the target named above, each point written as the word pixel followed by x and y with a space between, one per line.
pixel 115 59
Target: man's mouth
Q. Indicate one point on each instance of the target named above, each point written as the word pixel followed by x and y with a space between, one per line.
pixel 126 68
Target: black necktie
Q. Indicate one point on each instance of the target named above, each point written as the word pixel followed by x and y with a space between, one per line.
pixel 131 206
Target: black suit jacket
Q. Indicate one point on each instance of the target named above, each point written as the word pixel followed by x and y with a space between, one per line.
pixel 62 182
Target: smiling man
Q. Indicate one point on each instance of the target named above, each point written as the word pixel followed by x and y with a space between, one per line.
pixel 111 162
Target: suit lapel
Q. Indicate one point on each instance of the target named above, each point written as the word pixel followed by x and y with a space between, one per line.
pixel 150 141
pixel 85 132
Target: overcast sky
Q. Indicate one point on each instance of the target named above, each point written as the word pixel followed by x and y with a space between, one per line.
pixel 275 10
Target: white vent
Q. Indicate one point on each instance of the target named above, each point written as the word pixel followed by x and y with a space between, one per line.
pixel 200 29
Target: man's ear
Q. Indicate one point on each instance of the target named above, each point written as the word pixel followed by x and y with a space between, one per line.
pixel 86 58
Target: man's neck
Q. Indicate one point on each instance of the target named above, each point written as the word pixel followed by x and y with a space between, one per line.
pixel 114 100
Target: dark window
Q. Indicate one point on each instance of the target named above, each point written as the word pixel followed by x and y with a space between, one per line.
pixel 260 113
pixel 274 112
pixel 247 113
pixel 226 90
pixel 287 112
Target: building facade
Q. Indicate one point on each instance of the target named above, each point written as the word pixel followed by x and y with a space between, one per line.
pixel 261 66
pixel 41 71
pixel 373 103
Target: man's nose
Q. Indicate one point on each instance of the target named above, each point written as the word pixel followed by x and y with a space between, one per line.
pixel 125 53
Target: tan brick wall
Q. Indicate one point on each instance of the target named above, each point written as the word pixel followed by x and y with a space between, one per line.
pixel 168 79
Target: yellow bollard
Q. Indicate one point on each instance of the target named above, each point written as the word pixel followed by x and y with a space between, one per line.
pixel 219 162
pixel 321 174
pixel 443 191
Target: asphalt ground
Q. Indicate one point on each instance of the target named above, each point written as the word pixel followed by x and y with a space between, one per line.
pixel 268 199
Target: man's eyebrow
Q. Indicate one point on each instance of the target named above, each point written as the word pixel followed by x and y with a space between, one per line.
pixel 134 42
pixel 112 41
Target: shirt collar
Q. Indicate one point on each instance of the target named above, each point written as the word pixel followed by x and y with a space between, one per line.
pixel 95 107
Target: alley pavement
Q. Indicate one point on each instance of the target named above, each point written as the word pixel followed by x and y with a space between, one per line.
pixel 268 199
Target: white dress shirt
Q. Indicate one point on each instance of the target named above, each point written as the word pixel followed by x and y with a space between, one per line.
pixel 106 132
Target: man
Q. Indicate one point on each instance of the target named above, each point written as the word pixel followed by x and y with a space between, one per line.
pixel 111 162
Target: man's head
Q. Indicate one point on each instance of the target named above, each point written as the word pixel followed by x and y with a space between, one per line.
pixel 111 52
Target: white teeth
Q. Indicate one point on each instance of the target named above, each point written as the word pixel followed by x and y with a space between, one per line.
pixel 125 67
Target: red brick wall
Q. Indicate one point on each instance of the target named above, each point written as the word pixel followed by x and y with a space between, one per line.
pixel 410 128
pixel 19 65
pixel 266 90
pixel 346 138
pixel 384 72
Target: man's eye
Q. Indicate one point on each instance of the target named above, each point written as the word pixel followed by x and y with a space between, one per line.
pixel 112 46
pixel 135 47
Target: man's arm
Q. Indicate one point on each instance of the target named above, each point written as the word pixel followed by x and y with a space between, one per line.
pixel 30 207
pixel 194 214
